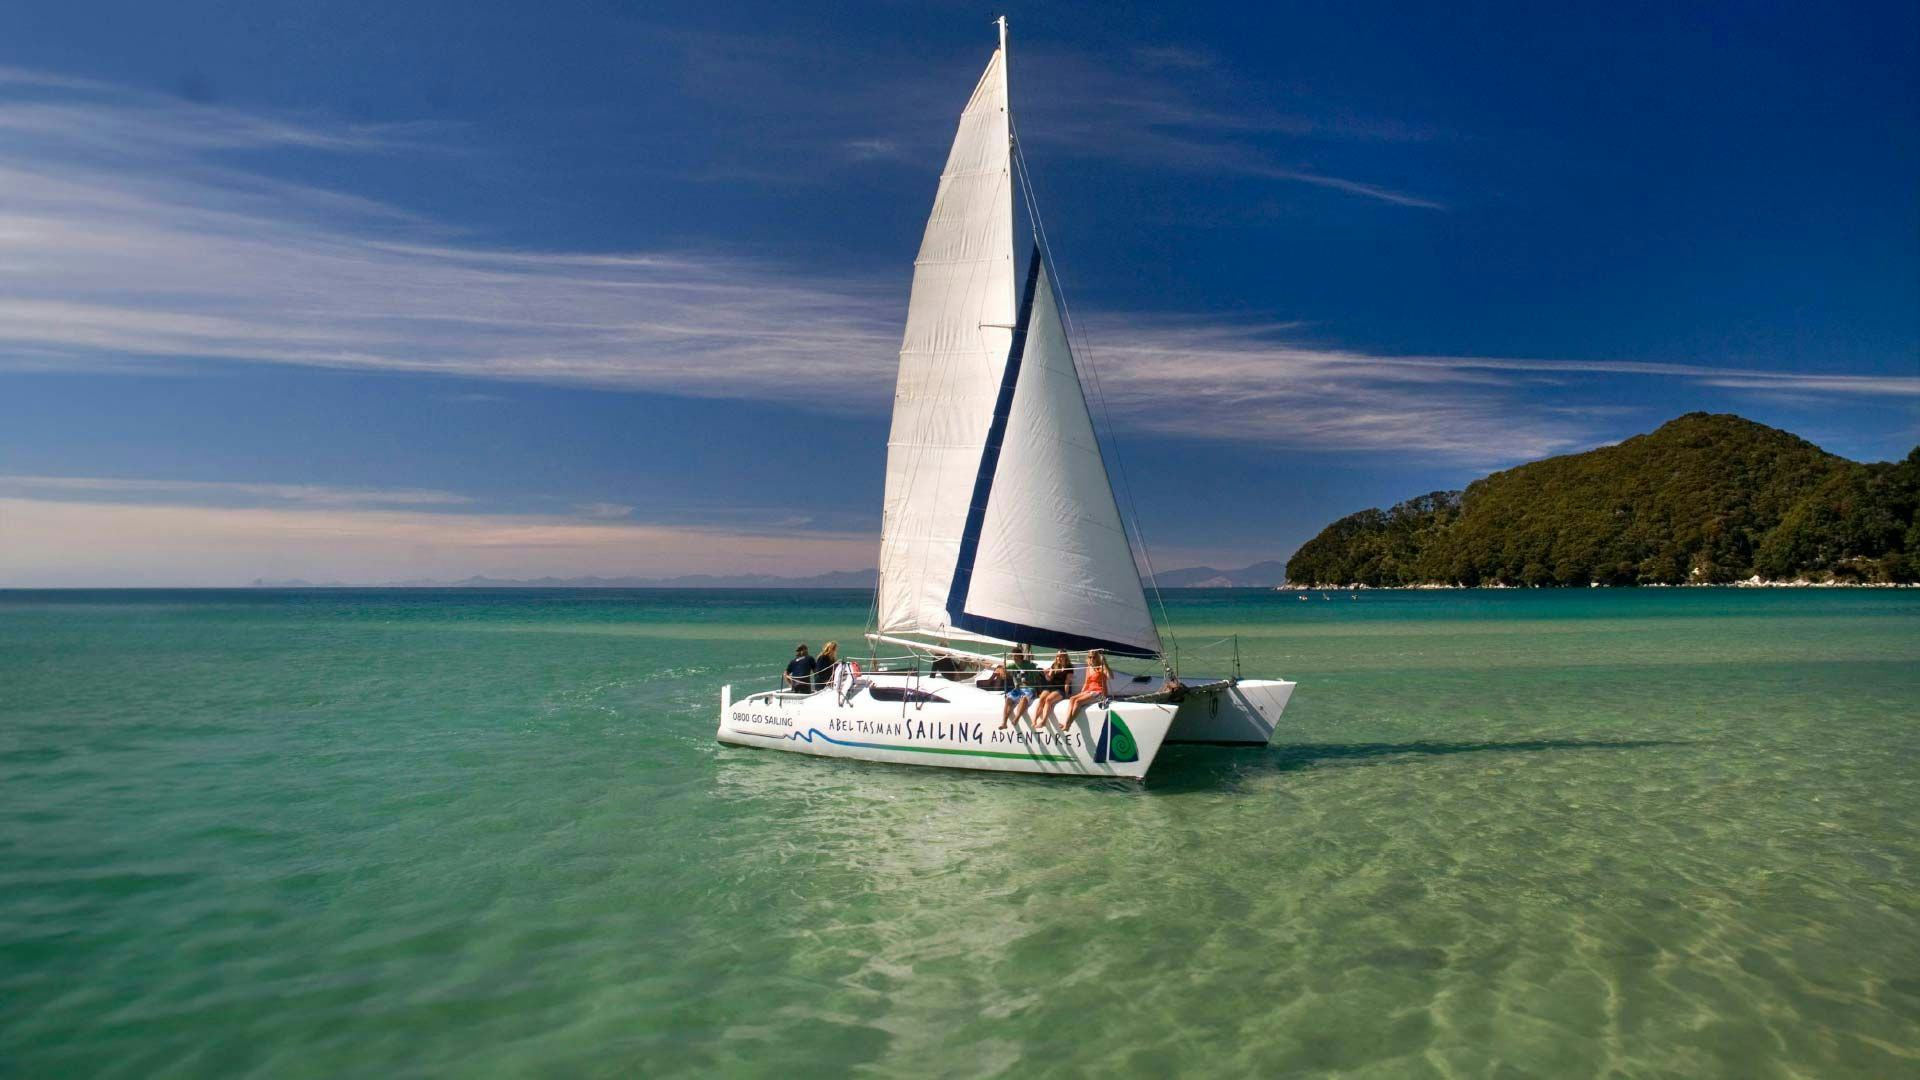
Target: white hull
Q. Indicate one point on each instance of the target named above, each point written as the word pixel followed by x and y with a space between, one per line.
pixel 957 725
pixel 1243 713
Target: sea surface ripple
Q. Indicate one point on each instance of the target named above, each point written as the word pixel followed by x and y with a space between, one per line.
pixel 406 832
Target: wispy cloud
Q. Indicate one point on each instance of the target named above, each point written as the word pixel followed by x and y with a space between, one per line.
pixel 1890 385
pixel 1174 56
pixel 157 254
pixel 1702 374
pixel 113 249
pixel 1157 123
pixel 1236 384
pixel 219 493
pixel 1352 187
pixel 1150 109
pixel 1195 142
pixel 873 149
pixel 45 104
pixel 1245 384
pixel 51 543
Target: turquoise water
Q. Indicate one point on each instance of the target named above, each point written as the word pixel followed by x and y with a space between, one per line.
pixel 1656 833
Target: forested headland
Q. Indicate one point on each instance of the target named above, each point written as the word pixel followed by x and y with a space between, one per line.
pixel 1705 499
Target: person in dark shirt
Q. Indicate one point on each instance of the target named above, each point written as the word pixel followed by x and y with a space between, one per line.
pixel 799 676
pixel 1054 685
pixel 824 664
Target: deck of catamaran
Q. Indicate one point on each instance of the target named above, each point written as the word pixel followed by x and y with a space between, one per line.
pixel 900 709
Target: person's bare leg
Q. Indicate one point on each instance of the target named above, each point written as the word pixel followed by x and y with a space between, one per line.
pixel 1042 707
pixel 1073 706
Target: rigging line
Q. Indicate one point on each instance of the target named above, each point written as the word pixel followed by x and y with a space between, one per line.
pixel 1066 317
pixel 1066 314
pixel 873 604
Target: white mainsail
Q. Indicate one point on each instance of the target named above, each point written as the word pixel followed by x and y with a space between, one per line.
pixel 959 325
pixel 999 522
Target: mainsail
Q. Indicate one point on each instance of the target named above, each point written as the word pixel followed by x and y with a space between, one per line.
pixel 999 522
pixel 959 325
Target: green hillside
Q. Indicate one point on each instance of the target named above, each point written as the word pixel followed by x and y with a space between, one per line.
pixel 1706 498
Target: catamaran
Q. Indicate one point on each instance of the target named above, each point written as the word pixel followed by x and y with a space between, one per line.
pixel 999 526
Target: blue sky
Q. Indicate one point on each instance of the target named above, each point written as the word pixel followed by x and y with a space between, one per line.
pixel 374 291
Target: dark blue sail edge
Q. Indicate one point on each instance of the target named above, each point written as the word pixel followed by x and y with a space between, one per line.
pixel 959 618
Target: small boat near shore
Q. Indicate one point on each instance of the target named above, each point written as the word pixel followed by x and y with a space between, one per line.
pixel 999 526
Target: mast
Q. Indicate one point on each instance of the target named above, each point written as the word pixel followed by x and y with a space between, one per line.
pixel 999 522
pixel 1006 106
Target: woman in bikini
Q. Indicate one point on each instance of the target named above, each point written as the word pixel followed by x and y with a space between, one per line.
pixel 1098 675
pixel 1053 689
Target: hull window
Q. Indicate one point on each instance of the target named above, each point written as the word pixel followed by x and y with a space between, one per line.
pixel 901 693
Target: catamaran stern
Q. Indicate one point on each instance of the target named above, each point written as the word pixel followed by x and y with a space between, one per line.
pixel 1242 713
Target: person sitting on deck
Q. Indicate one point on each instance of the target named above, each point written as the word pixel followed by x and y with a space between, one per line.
pixel 824 664
pixel 799 675
pixel 1054 684
pixel 1173 689
pixel 1020 673
pixel 1098 676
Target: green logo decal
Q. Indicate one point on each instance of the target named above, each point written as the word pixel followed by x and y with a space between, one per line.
pixel 1123 746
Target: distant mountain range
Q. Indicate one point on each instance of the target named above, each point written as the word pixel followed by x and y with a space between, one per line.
pixel 837 579
pixel 1259 575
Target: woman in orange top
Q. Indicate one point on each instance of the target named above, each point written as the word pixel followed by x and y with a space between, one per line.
pixel 1098 675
